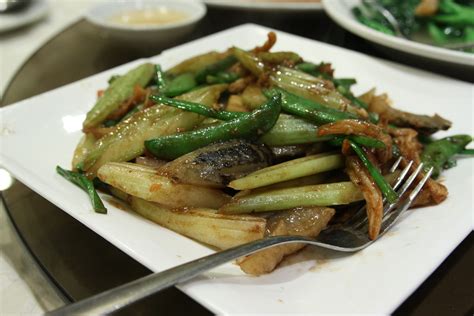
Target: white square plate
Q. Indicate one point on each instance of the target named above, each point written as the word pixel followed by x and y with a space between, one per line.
pixel 39 133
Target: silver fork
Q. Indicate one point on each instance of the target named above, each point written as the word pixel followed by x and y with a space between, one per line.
pixel 350 237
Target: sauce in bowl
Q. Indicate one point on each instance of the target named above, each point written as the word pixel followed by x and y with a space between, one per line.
pixel 148 17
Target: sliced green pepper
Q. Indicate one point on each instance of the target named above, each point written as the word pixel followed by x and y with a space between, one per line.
pixel 308 109
pixel 439 153
pixel 252 125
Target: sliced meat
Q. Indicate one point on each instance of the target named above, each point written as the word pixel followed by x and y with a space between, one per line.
pixel 309 221
pixel 407 141
pixel 423 123
pixel 410 148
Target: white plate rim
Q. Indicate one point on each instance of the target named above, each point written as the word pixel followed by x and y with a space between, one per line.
pixel 337 10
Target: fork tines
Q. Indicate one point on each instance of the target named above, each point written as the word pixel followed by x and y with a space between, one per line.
pixel 359 220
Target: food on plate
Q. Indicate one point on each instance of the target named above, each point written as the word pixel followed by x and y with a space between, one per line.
pixel 230 147
pixel 446 23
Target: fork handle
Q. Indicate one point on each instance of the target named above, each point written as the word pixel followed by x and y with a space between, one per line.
pixel 123 295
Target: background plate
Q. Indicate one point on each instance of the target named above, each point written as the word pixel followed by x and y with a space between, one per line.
pixel 400 261
pixel 32 13
pixel 266 5
pixel 340 11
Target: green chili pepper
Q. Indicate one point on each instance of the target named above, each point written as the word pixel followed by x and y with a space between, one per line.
pixel 383 185
pixel 252 125
pixel 308 109
pixel 180 84
pixel 84 183
pixel 215 68
pixel 439 153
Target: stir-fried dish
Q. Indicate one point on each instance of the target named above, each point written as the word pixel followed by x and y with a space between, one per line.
pixel 230 147
pixel 447 23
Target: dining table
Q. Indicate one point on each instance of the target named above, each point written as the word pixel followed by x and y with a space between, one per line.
pixel 79 263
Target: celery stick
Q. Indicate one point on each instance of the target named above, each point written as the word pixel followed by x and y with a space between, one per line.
pixel 314 195
pixel 289 170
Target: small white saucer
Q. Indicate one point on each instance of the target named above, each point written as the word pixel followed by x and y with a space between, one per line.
pixel 32 13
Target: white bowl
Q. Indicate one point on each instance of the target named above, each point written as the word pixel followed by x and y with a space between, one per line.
pixel 165 34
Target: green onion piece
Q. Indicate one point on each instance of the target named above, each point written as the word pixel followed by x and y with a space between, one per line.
pixel 383 185
pixel 360 140
pixel 467 152
pixel 84 183
pixel 197 108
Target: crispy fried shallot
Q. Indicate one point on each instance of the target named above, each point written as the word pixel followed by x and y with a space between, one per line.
pixel 271 40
